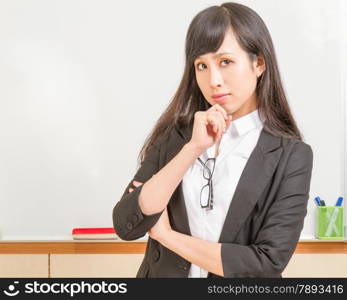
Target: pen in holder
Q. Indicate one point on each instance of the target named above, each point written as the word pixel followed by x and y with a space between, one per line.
pixel 330 223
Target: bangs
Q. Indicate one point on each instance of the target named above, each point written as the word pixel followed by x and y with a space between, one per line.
pixel 206 32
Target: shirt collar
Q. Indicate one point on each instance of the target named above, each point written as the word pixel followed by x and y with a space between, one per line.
pixel 245 123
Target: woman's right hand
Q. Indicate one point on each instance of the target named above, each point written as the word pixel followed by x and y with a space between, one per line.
pixel 209 126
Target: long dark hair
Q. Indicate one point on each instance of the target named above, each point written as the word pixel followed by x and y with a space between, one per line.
pixel 206 34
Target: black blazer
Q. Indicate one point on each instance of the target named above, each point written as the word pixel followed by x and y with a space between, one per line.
pixel 262 225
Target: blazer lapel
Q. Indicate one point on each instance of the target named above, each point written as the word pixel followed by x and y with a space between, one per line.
pixel 256 174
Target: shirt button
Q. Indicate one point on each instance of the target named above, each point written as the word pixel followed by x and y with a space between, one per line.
pixel 135 218
pixel 129 226
pixel 183 267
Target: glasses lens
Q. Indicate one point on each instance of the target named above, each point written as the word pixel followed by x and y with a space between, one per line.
pixel 208 168
pixel 204 196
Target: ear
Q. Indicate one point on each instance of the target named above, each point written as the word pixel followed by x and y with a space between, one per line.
pixel 259 65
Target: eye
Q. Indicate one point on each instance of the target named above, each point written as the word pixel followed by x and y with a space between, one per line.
pixel 200 66
pixel 227 61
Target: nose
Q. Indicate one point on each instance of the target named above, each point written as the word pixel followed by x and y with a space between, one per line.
pixel 216 78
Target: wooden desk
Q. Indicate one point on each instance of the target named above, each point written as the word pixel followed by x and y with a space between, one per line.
pixel 114 247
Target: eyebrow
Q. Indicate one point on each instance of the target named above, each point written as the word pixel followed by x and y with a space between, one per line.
pixel 218 55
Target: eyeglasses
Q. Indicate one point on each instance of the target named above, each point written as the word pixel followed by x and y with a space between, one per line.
pixel 206 194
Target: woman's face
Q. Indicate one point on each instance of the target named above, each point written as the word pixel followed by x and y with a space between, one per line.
pixel 229 71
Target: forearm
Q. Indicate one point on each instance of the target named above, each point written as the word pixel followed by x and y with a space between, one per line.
pixel 204 254
pixel 157 191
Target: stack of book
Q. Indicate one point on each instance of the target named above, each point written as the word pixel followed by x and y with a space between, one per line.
pixel 94 234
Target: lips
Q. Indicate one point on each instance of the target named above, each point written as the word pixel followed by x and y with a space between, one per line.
pixel 215 96
pixel 220 98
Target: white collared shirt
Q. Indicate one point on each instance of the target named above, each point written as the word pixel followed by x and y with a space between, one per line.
pixel 235 148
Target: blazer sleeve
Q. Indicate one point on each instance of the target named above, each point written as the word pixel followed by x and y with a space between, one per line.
pixel 129 221
pixel 278 237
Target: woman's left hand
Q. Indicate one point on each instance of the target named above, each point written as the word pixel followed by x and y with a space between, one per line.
pixel 161 228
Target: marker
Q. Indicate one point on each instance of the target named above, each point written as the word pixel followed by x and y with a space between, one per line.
pixel 322 203
pixel 339 201
pixel 317 199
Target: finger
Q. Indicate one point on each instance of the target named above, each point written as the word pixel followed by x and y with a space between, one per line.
pixel 137 183
pixel 215 120
pixel 227 117
pixel 130 190
pixel 224 124
pixel 215 129
pixel 220 133
pixel 210 120
pixel 217 126
pixel 219 108
pixel 220 128
pixel 221 120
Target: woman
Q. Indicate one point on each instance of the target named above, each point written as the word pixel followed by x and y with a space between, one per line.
pixel 224 179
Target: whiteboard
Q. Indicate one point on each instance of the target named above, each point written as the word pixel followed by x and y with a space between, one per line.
pixel 83 82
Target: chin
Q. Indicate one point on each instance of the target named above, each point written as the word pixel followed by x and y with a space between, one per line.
pixel 230 110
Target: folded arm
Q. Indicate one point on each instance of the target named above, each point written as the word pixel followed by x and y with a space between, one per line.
pixel 276 240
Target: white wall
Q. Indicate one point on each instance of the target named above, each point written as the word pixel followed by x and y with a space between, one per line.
pixel 82 83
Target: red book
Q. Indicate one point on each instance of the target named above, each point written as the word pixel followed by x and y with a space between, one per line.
pixel 94 234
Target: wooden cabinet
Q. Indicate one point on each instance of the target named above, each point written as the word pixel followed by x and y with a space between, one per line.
pixel 95 265
pixel 122 259
pixel 24 265
pixel 317 265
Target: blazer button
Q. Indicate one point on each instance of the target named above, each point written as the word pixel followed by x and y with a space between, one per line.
pixel 156 255
pixel 129 226
pixel 135 218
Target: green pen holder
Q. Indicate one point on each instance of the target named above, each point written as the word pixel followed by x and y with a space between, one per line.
pixel 330 223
